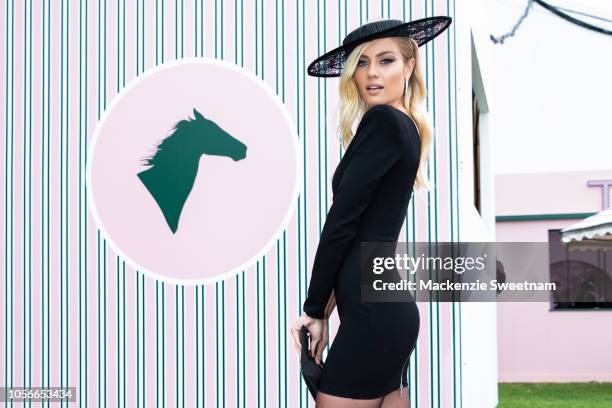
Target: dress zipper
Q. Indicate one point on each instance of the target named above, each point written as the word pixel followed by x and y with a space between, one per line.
pixel 401 382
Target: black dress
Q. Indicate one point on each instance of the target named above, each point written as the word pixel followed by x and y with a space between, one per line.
pixel 372 187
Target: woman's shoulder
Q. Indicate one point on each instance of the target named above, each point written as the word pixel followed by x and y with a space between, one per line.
pixel 377 117
pixel 378 128
pixel 381 112
pixel 387 117
pixel 389 113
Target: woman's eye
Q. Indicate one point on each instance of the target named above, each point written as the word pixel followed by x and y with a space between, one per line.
pixel 385 61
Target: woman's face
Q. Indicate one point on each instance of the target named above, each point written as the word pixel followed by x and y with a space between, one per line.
pixel 381 66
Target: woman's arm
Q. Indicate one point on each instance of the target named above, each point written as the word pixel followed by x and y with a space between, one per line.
pixel 331 305
pixel 378 149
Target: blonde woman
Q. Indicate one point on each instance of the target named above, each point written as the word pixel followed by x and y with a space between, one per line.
pixel 382 85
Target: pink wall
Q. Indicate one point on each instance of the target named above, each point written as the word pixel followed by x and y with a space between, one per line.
pixel 534 343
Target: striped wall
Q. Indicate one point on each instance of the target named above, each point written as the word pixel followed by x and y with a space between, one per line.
pixel 75 314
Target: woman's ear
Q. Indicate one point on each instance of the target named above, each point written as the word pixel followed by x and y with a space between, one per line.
pixel 409 67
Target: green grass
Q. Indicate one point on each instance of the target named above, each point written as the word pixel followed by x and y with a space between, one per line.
pixel 555 395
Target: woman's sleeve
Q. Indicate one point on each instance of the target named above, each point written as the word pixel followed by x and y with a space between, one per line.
pixel 378 149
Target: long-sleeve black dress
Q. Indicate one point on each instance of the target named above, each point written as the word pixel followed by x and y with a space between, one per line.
pixel 372 187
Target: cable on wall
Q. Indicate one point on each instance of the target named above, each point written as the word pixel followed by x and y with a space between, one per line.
pixel 555 10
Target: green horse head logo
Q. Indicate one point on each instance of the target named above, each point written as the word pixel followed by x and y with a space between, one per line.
pixel 174 165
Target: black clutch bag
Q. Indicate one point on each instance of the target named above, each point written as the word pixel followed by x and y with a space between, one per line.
pixel 311 371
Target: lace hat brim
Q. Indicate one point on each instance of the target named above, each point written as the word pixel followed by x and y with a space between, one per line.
pixel 423 30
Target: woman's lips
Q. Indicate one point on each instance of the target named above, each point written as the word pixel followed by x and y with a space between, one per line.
pixel 374 91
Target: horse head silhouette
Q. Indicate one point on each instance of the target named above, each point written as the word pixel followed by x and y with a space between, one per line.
pixel 174 165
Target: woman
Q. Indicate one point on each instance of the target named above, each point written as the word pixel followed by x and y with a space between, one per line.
pixel 381 81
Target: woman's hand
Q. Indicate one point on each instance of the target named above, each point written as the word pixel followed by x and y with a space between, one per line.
pixel 318 335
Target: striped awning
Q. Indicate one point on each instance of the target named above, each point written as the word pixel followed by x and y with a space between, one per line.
pixel 594 232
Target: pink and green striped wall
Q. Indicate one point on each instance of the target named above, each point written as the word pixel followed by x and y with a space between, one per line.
pixel 73 313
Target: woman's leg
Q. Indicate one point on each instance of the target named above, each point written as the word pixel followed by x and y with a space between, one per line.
pixel 397 399
pixel 332 401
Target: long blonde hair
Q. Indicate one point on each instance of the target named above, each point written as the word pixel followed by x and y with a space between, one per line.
pixel 352 106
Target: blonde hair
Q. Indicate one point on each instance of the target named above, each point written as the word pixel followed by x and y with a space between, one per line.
pixel 352 106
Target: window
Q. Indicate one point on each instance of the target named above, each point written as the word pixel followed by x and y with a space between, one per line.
pixel 583 277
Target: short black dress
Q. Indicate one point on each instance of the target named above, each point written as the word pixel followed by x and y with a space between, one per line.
pixel 372 187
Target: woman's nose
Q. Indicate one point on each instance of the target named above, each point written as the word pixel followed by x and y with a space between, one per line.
pixel 372 71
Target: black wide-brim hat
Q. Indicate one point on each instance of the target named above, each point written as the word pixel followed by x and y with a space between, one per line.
pixel 426 29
